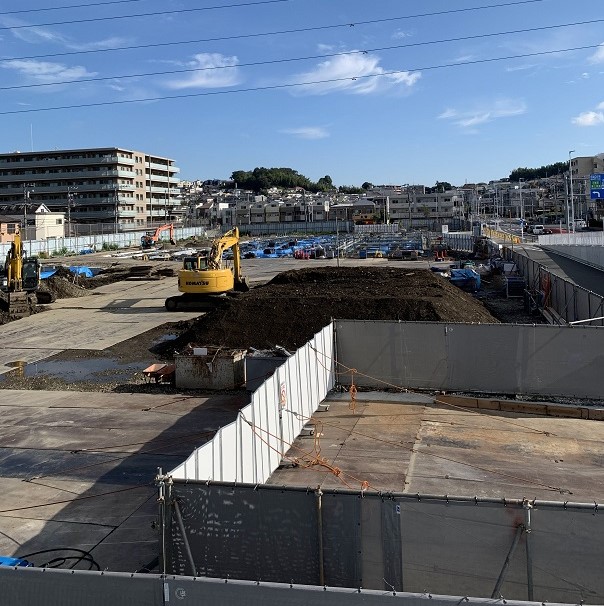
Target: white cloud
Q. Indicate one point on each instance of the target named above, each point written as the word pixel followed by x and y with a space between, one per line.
pixel 469 118
pixel 307 132
pixel 598 56
pixel 589 118
pixel 215 71
pixel 400 34
pixel 351 73
pixel 46 72
pixel 600 105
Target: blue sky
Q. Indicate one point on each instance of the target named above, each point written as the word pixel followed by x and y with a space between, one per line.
pixel 386 91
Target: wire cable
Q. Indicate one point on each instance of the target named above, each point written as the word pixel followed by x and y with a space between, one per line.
pixel 244 36
pixel 67 6
pixel 295 84
pixel 154 14
pixel 80 498
pixel 295 59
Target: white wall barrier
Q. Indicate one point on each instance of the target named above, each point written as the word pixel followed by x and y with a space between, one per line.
pixel 250 448
pixel 95 242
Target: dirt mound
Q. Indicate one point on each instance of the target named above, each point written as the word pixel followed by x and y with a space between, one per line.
pixel 295 305
pixel 63 285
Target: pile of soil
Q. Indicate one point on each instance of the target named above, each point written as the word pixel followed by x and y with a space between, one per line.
pixel 291 308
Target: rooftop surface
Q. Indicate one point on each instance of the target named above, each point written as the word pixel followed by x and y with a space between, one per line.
pixel 411 443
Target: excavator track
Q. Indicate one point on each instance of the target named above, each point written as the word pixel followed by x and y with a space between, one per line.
pixel 20 304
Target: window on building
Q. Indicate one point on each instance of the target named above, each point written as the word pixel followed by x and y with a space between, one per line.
pixel 59 221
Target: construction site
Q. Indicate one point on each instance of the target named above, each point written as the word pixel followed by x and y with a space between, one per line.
pixel 411 439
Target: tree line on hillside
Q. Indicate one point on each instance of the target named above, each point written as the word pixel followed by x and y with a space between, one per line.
pixel 528 174
pixel 262 179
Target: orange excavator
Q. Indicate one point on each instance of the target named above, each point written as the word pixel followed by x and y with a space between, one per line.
pixel 151 238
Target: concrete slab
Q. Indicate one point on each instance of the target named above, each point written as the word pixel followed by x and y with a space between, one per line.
pixel 129 308
pixel 438 449
pixel 77 469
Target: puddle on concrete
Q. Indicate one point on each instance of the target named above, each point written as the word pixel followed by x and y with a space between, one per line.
pixel 96 370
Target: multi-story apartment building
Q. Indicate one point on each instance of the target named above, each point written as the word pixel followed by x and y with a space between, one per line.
pixel 123 187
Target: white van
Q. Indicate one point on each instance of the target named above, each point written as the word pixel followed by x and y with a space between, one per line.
pixel 538 230
pixel 580 224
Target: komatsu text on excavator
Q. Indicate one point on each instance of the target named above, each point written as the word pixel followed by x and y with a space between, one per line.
pixel 203 277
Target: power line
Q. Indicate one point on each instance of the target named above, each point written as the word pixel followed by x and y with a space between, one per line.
pixel 306 58
pixel 191 10
pixel 296 84
pixel 66 6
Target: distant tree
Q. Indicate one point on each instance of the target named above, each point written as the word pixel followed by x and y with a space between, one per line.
pixel 443 186
pixel 549 170
pixel 350 189
pixel 325 183
pixel 366 185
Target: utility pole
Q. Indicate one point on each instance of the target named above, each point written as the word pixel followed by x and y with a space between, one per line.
pixel 572 202
pixel 70 197
pixel 116 200
pixel 27 189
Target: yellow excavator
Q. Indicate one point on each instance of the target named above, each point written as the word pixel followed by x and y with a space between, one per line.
pixel 204 277
pixel 20 282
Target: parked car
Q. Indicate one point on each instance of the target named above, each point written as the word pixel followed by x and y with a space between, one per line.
pixel 538 230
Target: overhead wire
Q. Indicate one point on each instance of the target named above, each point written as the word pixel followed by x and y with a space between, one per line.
pixel 293 59
pixel 67 6
pixel 254 34
pixel 295 84
pixel 153 14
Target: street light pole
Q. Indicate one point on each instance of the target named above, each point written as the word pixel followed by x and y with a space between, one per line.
pixel 572 202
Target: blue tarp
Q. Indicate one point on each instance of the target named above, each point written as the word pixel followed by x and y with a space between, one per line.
pixel 78 270
pixel 465 278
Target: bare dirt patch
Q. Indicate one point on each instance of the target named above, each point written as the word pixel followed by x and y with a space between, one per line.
pixel 295 305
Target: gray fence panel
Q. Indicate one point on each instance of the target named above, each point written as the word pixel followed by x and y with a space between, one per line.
pixel 239 532
pixel 35 586
pixel 341 540
pixel 51 587
pixel 386 542
pixel 461 546
pixel 560 537
pixel 395 353
pixel 520 359
pixel 569 301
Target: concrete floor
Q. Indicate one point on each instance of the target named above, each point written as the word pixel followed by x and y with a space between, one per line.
pixel 410 443
pixel 77 469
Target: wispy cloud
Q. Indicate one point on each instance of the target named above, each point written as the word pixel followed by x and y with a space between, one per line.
pixel 470 118
pixel 598 56
pixel 46 72
pixel 590 118
pixel 307 132
pixel 215 71
pixel 400 35
pixel 352 74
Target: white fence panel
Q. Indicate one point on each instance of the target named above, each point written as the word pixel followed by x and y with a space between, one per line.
pixel 251 448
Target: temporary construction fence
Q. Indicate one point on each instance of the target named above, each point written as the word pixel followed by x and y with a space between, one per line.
pixel 589 254
pixel 249 449
pixel 95 242
pixel 566 301
pixel 514 549
pixel 529 360
pixel 53 587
